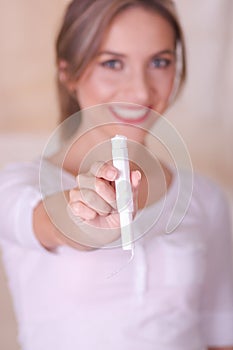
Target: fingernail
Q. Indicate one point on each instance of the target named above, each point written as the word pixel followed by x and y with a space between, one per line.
pixel 139 175
pixel 111 174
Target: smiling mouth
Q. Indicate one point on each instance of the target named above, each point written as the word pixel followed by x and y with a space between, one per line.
pixel 130 114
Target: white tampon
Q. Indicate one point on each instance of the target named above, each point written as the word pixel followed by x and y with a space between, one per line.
pixel 124 196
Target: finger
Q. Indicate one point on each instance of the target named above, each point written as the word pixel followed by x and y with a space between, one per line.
pixel 102 187
pixel 81 211
pixel 92 200
pixel 135 180
pixel 104 170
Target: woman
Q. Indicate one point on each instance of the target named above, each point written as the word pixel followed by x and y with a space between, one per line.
pixel 117 63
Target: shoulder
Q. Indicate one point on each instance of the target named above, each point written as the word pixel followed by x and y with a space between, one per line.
pixel 206 185
pixel 208 193
pixel 210 204
pixel 202 189
pixel 200 197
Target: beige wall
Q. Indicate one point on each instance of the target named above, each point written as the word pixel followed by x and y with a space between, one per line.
pixel 204 114
pixel 27 32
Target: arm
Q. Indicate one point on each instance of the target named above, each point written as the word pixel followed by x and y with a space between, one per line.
pixel 46 232
pixel 91 209
pixel 222 348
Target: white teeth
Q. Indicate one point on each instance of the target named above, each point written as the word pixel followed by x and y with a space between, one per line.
pixel 130 113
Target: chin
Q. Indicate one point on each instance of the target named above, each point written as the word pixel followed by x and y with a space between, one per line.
pixel 132 132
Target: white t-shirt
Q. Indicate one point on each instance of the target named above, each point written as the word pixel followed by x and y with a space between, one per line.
pixel 175 294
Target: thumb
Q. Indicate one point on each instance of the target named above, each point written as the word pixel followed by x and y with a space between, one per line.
pixel 135 181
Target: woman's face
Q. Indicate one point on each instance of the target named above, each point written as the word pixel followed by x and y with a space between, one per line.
pixel 135 64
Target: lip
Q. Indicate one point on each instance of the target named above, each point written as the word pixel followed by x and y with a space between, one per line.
pixel 130 114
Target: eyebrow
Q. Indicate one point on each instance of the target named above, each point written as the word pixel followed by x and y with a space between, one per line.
pixel 112 53
pixel 164 52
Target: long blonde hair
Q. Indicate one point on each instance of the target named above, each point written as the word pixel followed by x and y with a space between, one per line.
pixel 84 25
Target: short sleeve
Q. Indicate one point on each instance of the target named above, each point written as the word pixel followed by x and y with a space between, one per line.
pixel 217 305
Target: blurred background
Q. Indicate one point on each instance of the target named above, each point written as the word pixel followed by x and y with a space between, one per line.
pixel 203 115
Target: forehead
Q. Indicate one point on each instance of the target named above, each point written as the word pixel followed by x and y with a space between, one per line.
pixel 139 27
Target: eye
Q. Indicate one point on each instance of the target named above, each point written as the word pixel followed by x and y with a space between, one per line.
pixel 160 62
pixel 112 64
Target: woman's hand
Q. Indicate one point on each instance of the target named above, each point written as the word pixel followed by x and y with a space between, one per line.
pixel 94 200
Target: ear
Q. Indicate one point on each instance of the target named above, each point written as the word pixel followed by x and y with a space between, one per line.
pixel 64 75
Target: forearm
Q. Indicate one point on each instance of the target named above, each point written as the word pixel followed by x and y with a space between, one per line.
pixel 44 226
pixel 222 348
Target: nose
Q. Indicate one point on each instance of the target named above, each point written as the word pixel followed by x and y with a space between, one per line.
pixel 138 89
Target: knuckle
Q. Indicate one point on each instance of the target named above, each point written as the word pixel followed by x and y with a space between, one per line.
pixel 97 167
pixel 106 210
pixel 82 195
pixel 100 186
pixel 90 197
pixel 73 194
pixel 80 179
pixel 76 209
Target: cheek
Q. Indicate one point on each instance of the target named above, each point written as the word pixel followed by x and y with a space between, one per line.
pixel 163 86
pixel 163 82
pixel 95 89
pixel 171 78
